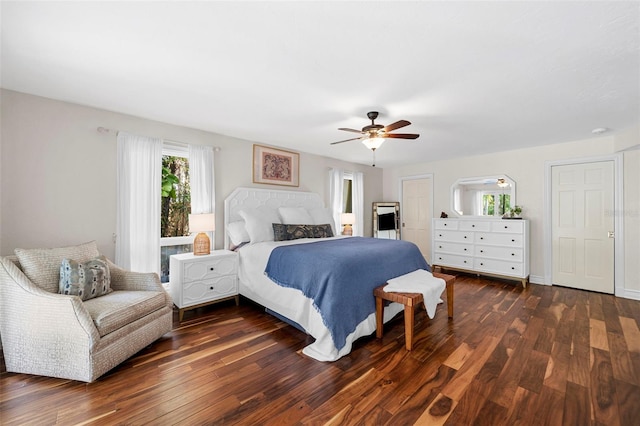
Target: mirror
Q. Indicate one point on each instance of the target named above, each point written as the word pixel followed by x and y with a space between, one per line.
pixel 488 196
pixel 386 220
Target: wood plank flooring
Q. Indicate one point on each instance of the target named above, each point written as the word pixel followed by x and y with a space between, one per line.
pixel 541 355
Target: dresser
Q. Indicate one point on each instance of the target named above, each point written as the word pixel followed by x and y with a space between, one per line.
pixel 197 281
pixel 493 247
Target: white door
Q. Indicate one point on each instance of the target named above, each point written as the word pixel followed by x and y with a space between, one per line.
pixel 582 226
pixel 416 214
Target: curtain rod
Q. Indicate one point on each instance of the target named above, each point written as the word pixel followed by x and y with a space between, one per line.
pixel 105 130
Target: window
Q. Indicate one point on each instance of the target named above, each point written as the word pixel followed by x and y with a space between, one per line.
pixel 495 204
pixel 175 206
pixel 347 194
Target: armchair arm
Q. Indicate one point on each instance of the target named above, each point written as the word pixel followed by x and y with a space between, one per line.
pixel 39 328
pixel 121 279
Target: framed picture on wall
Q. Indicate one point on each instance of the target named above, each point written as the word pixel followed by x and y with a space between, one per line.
pixel 275 166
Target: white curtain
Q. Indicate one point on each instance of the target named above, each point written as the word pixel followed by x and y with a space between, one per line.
pixel 357 204
pixel 139 178
pixel 201 178
pixel 336 188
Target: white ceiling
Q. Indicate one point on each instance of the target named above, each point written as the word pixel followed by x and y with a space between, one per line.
pixel 472 77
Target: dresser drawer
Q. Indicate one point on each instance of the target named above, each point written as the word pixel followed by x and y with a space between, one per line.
pixel 474 225
pixel 204 290
pixel 514 254
pixel 453 248
pixel 508 240
pixel 444 259
pixel 454 236
pixel 510 226
pixel 493 266
pixel 210 268
pixel 446 224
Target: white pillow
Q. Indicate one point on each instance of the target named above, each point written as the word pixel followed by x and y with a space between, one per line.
pixel 237 233
pixel 259 224
pixel 322 216
pixel 295 216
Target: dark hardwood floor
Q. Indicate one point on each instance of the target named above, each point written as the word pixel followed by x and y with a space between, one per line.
pixel 541 355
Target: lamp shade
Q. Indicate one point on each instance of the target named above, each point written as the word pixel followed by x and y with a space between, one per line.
pixel 347 218
pixel 373 143
pixel 204 222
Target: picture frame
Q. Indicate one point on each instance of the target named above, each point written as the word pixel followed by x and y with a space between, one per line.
pixel 275 166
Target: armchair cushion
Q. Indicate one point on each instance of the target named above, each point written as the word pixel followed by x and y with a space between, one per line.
pixel 42 266
pixel 119 308
pixel 85 279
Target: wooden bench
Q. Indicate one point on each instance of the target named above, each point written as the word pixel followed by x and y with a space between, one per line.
pixel 410 302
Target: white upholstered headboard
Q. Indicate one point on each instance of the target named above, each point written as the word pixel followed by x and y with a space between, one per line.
pixel 258 198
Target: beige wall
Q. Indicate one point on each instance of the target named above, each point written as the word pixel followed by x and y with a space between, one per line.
pixel 58 173
pixel 527 168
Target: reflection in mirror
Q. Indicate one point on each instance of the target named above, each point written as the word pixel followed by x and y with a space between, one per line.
pixel 386 220
pixel 483 196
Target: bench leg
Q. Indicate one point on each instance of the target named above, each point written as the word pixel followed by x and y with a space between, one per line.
pixel 408 326
pixel 450 298
pixel 379 310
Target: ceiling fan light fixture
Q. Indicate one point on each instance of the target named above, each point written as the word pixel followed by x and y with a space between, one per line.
pixel 373 143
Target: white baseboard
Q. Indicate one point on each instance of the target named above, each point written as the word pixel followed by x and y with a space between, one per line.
pixel 628 293
pixel 536 279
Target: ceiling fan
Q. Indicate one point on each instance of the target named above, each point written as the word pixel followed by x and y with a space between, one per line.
pixel 373 135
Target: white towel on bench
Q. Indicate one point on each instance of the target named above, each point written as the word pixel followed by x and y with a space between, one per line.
pixel 419 281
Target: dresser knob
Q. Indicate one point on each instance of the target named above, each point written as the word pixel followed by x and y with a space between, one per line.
pixel 445 224
pixel 439 246
pixel 439 258
pixel 481 251
pixel 465 236
pixel 513 268
pixel 513 254
pixel 439 235
pixel 481 264
pixel 482 238
pixel 211 269
pixel 465 261
pixel 506 227
pixel 473 226
pixel 211 288
pixel 513 241
pixel 465 249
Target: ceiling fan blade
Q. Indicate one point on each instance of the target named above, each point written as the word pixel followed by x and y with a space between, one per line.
pixel 396 125
pixel 346 140
pixel 402 135
pixel 350 130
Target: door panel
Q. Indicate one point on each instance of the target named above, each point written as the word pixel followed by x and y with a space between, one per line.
pixel 416 214
pixel 582 206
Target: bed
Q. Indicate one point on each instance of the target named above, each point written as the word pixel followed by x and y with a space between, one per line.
pixel 248 214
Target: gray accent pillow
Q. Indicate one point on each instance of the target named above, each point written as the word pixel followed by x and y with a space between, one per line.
pixel 42 266
pixel 293 232
pixel 87 279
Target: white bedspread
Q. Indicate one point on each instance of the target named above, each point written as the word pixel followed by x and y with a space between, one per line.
pixel 292 304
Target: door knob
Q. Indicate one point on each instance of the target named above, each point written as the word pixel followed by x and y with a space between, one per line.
pixel 611 234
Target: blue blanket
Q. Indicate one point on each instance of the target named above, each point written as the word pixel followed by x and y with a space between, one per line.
pixel 340 275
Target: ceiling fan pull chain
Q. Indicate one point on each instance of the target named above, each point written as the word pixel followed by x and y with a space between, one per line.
pixel 374 157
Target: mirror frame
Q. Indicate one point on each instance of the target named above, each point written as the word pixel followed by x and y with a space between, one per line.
pixel 396 208
pixel 479 180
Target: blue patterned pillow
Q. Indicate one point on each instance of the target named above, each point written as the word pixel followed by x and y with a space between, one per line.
pixel 293 232
pixel 85 279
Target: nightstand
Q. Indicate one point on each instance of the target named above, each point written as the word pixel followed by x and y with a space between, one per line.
pixel 197 281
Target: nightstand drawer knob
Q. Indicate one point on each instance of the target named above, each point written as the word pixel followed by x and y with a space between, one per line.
pixel 211 288
pixel 212 268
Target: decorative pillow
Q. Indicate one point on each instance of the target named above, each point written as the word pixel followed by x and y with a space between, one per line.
pixel 237 233
pixel 293 215
pixel 42 266
pixel 86 279
pixel 259 224
pixel 293 232
pixel 322 215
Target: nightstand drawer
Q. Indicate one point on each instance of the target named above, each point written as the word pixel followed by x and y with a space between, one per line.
pixel 210 268
pixel 211 289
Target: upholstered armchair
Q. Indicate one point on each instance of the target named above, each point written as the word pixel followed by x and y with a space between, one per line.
pixel 62 335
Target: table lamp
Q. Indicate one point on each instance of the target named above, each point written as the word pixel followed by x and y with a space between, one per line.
pixel 202 223
pixel 347 220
